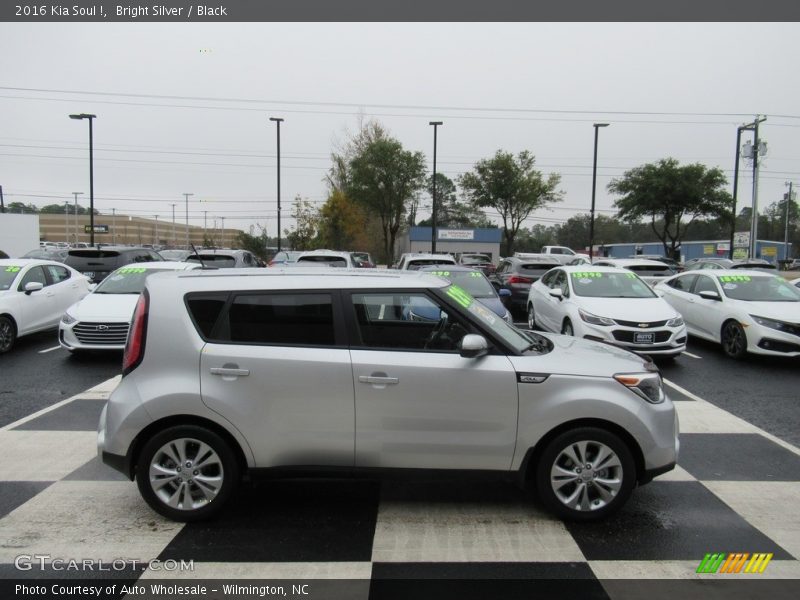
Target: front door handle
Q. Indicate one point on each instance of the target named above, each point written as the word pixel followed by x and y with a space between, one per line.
pixel 379 380
pixel 229 371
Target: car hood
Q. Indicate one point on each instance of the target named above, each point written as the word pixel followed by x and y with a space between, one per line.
pixel 644 310
pixel 105 307
pixel 783 311
pixel 576 356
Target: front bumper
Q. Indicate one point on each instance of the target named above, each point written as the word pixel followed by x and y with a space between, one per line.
pixel 665 341
pixel 82 335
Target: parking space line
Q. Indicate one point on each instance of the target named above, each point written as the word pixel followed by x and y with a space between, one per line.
pixel 690 354
pixel 49 350
pixel 766 434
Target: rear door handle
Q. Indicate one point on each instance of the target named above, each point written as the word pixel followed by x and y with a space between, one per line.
pixel 229 372
pixel 378 380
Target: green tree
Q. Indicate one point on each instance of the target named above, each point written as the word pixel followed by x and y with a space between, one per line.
pixel 257 244
pixel 450 211
pixel 20 208
pixel 512 187
pixel 341 223
pixel 668 194
pixel 383 178
pixel 304 232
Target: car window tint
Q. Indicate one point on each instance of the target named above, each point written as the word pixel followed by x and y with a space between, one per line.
pixel 683 284
pixel 8 273
pixel 205 310
pixel 34 274
pixel 406 321
pixel 291 319
pixel 58 274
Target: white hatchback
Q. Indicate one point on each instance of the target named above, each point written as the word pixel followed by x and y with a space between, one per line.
pixel 607 304
pixel 33 296
pixel 100 321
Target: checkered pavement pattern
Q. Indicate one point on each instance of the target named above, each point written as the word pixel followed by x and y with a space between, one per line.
pixel 736 489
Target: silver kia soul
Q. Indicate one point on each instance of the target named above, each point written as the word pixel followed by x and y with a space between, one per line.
pixel 320 372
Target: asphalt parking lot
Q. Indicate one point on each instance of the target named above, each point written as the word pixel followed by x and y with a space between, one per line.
pixel 735 490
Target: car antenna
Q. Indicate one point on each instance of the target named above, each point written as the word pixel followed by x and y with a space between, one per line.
pixel 197 254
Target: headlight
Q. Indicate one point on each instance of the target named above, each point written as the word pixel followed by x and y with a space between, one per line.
pixel 594 319
pixel 68 319
pixel 676 322
pixel 645 385
pixel 772 323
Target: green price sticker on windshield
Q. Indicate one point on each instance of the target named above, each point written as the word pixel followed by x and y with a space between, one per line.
pixel 474 274
pixel 733 278
pixel 441 273
pixel 586 274
pixel 459 295
pixel 13 269
pixel 128 270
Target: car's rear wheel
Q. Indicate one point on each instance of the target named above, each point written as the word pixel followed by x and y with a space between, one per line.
pixel 187 473
pixel 566 328
pixel 734 340
pixel 8 334
pixel 531 317
pixel 585 474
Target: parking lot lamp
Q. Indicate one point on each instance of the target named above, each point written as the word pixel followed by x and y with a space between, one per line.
pixel 76 194
pixel 90 118
pixel 278 122
pixel 186 196
pixel 433 207
pixel 597 127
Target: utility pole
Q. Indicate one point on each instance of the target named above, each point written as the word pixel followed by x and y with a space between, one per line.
pixel 76 194
pixel 114 226
pixel 174 238
pixel 789 200
pixel 223 233
pixel 735 187
pixel 155 241
pixel 2 202
pixel 756 151
pixel 433 208
pixel 278 122
pixel 66 221
pixel 185 195
pixel 205 226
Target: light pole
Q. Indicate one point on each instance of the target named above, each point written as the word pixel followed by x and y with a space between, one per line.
pixel 205 226
pixel 433 208
pixel 91 118
pixel 76 194
pixel 114 226
pixel 735 187
pixel 786 229
pixel 185 195
pixel 174 237
pixel 597 127
pixel 223 232
pixel 155 241
pixel 66 221
pixel 278 122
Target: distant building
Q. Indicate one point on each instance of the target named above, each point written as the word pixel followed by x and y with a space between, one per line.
pixel 451 240
pixel 768 250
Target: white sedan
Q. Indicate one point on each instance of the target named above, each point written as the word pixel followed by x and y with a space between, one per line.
pixel 651 271
pixel 607 304
pixel 33 296
pixel 100 321
pixel 745 311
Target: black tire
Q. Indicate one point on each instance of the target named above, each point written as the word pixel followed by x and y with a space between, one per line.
pixel 582 496
pixel 531 317
pixel 566 328
pixel 185 442
pixel 734 340
pixel 8 334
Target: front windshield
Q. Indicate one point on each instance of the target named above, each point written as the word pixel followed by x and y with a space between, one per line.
pixel 127 280
pixel 758 289
pixel 220 261
pixel 474 259
pixel 597 284
pixel 415 265
pixel 334 261
pixel 473 282
pixel 8 274
pixel 516 338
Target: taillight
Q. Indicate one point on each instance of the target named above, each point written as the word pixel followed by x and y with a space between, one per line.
pixel 518 279
pixel 134 345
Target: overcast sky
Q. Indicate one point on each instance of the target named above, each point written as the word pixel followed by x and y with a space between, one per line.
pixel 675 90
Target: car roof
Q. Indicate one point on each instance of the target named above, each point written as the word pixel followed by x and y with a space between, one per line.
pixel 278 278
pixel 332 253
pixel 454 268
pixel 731 273
pixel 593 269
pixel 627 262
pixel 24 262
pixel 429 255
pixel 163 265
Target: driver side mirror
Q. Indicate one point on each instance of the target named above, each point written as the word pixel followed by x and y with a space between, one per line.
pixel 504 293
pixel 709 295
pixel 33 286
pixel 557 293
pixel 473 346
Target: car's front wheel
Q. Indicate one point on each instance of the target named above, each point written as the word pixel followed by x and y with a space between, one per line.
pixel 187 472
pixel 734 340
pixel 531 317
pixel 566 328
pixel 585 474
pixel 8 334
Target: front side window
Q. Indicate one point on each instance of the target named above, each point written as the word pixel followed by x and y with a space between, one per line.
pixel 34 274
pixel 58 274
pixel 683 283
pixel 704 284
pixel 284 319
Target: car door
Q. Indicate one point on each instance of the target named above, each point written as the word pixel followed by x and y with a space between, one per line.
pixel 419 403
pixel 538 297
pixel 551 307
pixel 68 290
pixel 37 307
pixel 277 366
pixel 706 315
pixel 678 293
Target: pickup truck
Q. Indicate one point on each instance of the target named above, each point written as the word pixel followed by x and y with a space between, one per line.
pixel 560 254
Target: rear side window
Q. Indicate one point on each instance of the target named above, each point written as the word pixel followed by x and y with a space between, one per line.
pixel 652 270
pixel 58 274
pixel 286 319
pixel 537 269
pixel 205 310
pixel 334 261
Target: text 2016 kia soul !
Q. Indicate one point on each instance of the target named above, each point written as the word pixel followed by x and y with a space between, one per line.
pixel 318 372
